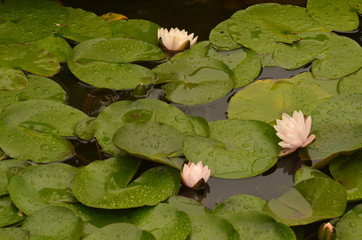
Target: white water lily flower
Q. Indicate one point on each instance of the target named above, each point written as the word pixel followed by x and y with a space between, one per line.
pixel 192 174
pixel 294 131
pixel 175 40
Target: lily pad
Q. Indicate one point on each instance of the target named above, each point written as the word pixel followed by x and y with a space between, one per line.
pixel 42 185
pixel 38 88
pixel 330 85
pixel 54 222
pixel 9 213
pixel 309 201
pixel 235 148
pixel 351 84
pixel 26 21
pixel 188 205
pixel 102 62
pixel 337 126
pixel 220 38
pixel 142 110
pixel 85 128
pixel 344 17
pixel 32 129
pixel 261 26
pixel 305 172
pixel 12 79
pixel 164 221
pixel 13 233
pixel 135 29
pixel 348 226
pixel 8 169
pixel 254 224
pixel 107 184
pixel 153 141
pixel 347 170
pixel 282 96
pixel 55 45
pixel 120 230
pixel 83 25
pixel 238 203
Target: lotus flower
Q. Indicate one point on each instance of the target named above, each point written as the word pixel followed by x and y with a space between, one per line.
pixel 175 40
pixel 294 132
pixel 194 176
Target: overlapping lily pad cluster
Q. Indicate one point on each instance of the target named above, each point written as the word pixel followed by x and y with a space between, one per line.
pixel 110 198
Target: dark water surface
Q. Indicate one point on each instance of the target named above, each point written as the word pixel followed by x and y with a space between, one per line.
pixel 199 17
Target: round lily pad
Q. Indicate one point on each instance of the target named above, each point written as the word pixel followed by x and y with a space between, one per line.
pixel 82 25
pixel 153 141
pixel 254 224
pixel 32 130
pixel 54 222
pixel 344 17
pixel 261 26
pixel 142 110
pixel 305 172
pixel 9 214
pixel 267 100
pixel 118 231
pixel 8 169
pixel 347 170
pixel 13 233
pixel 107 184
pixel 12 79
pixel 309 201
pixel 238 203
pixel 220 38
pixel 351 84
pixel 164 221
pixel 348 226
pixel 135 29
pixel 235 148
pixel 38 88
pixel 41 185
pixel 102 62
pixel 337 126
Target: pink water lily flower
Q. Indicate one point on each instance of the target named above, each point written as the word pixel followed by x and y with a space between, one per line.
pixel 294 131
pixel 192 174
pixel 175 40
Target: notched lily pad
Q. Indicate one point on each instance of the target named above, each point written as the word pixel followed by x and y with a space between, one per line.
pixel 220 38
pixel 305 172
pixel 8 169
pixel 9 214
pixel 330 85
pixel 348 225
pixel 188 205
pixel 12 79
pixel 107 184
pixel 55 45
pixel 14 233
pixel 351 83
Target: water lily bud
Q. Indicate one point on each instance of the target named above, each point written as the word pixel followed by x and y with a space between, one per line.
pixel 175 40
pixel 140 91
pixel 195 175
pixel 325 232
pixel 294 132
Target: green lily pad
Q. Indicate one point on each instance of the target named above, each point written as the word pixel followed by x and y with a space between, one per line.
pixel 8 169
pixel 107 184
pixel 337 126
pixel 201 126
pixel 330 85
pixel 102 62
pixel 120 113
pixel 120 230
pixel 13 233
pixel 281 96
pixel 261 26
pixel 29 58
pixel 220 38
pixel 9 213
pixel 356 4
pixel 135 29
pixel 164 221
pixel 212 228
pixel 188 205
pixel 351 83
pixel 309 201
pixel 305 172
pixel 54 222
pixel 238 203
pixel 152 141
pixel 347 170
pixel 32 129
pixel 235 148
pixel 26 21
pixel 38 88
pixel 55 45
pixel 42 185
pixel 254 224
pixel 344 17
pixel 83 25
pixel 348 226
pixel 12 79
